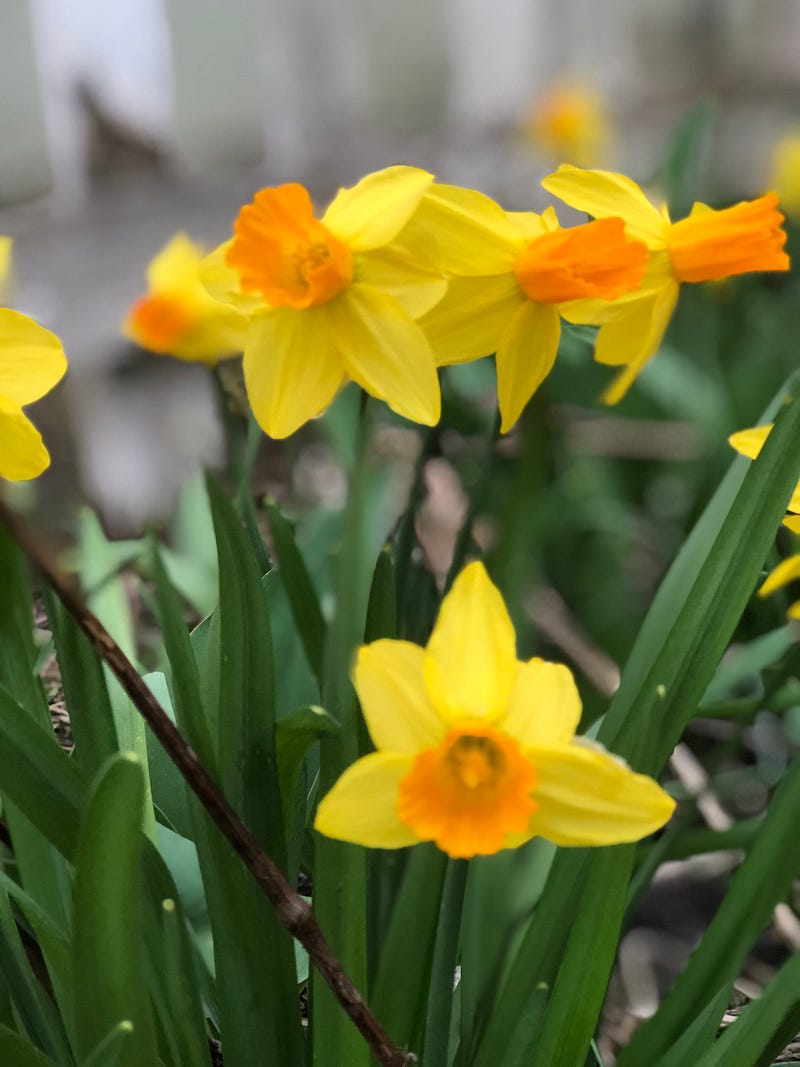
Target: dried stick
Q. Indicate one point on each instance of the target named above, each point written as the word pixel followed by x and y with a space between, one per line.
pixel 292 911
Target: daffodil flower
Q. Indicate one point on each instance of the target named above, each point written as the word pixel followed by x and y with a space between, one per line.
pixel 512 274
pixel 332 298
pixel 32 361
pixel 177 317
pixel 706 246
pixel 749 443
pixel 570 121
pixel 476 751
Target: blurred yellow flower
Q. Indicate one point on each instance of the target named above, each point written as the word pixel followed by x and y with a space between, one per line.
pixel 785 178
pixel 177 317
pixel 706 246
pixel 749 443
pixel 31 362
pixel 333 298
pixel 512 273
pixel 476 751
pixel 570 122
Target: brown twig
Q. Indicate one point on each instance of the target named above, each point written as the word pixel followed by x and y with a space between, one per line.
pixel 292 911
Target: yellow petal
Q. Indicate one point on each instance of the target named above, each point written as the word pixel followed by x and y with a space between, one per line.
pixel 471 662
pixel 634 339
pixel 603 194
pixel 388 677
pixel 525 357
pixel 222 282
pixel 386 352
pixel 374 211
pixel 473 232
pixel 793 611
pixel 291 370
pixel 400 271
pixel 545 707
pixel 792 522
pixel 750 442
pixel 23 454
pixel 177 259
pixel 31 358
pixel 472 317
pixel 786 571
pixel 362 806
pixel 588 797
pixel 529 225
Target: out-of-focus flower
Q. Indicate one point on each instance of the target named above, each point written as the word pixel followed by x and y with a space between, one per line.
pixel 749 443
pixel 476 751
pixel 333 298
pixel 785 179
pixel 31 362
pixel 706 246
pixel 512 272
pixel 177 317
pixel 570 122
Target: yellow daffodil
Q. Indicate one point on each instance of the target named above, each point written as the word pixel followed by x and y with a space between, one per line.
pixel 476 750
pixel 785 179
pixel 749 443
pixel 570 121
pixel 177 317
pixel 706 246
pixel 513 273
pixel 31 362
pixel 333 298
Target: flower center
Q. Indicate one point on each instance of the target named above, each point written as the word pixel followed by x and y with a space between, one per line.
pixel 470 792
pixel 716 244
pixel 282 252
pixel 158 322
pixel 594 260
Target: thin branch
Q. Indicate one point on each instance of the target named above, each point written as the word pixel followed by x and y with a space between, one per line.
pixel 292 911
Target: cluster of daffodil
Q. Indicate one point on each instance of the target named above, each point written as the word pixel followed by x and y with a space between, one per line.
pixel 749 443
pixel 402 275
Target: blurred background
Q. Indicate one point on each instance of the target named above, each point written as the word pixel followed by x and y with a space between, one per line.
pixel 122 124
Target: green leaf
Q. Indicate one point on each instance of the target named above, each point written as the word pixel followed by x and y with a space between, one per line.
pixel 108 916
pixel 16 1050
pixel 112 1050
pixel 166 781
pixel 438 1018
pixel 254 954
pixel 340 868
pixel 299 588
pixel 700 1033
pixel 765 1026
pixel 294 736
pixel 246 714
pixel 746 662
pixel 762 880
pixel 90 713
pixel 408 946
pixel 108 599
pixel 39 777
pixel 382 607
pixel 33 1007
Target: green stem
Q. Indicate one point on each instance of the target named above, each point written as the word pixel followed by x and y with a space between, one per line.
pixel 445 954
